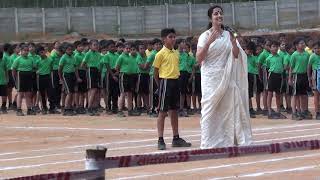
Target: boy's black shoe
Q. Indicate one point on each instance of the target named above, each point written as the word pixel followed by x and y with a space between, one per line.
pixel 161 145
pixel 296 116
pixel 4 110
pixel 19 112
pixel 31 112
pixel 179 142
pixel 274 116
pixel 44 111
pixel 259 111
pixel 252 111
pixel 289 110
pixel 318 116
pixel 307 115
pixel 282 109
pixel 121 114
pixel 190 112
pixel 265 112
pixel 133 113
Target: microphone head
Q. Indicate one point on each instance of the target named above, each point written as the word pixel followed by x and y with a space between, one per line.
pixel 231 30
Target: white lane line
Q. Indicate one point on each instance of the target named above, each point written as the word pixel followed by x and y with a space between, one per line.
pixel 219 167
pixel 42 156
pixel 263 173
pixel 39 165
pixel 137 130
pixel 293 137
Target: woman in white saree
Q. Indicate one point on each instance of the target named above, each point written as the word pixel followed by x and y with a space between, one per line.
pixel 225 119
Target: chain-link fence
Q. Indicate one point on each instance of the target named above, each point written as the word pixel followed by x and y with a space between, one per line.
pixel 89 3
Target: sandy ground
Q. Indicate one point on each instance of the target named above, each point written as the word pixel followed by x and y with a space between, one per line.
pixel 52 143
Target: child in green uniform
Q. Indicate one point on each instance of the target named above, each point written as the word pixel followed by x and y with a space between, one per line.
pixel 35 98
pixel 143 79
pixel 283 53
pixel 287 88
pixel 80 95
pixel 313 66
pixel 68 74
pixel 275 65
pixel 44 67
pixel 127 66
pixel 22 70
pixel 263 71
pixel 92 61
pixel 153 97
pixel 11 81
pixel 3 83
pixel 299 79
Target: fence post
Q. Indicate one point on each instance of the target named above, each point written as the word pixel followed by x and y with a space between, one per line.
pixel 190 17
pixel 277 12
pixel 298 12
pixel 119 20
pixel 16 21
pixel 143 25
pixel 233 14
pixel 68 19
pixel 95 161
pixel 93 11
pixel 255 13
pixel 167 14
pixel 43 21
pixel 318 8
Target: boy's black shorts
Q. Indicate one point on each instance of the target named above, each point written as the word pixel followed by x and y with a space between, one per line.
pixel 69 82
pixel 104 79
pixel 43 82
pixel 93 78
pixel 168 95
pixel 127 83
pixel 251 83
pixel 184 82
pixel 196 84
pixel 300 84
pixel 24 81
pixel 3 90
pixel 82 86
pixel 34 82
pixel 275 82
pixel 11 81
pixel 143 84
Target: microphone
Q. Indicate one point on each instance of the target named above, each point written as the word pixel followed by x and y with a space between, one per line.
pixel 231 30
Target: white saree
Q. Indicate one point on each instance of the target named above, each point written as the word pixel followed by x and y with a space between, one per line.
pixel 225 119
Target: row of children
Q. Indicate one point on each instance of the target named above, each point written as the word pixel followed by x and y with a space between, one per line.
pixel 289 71
pixel 74 77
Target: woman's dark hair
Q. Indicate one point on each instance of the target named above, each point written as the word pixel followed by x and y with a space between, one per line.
pixel 210 11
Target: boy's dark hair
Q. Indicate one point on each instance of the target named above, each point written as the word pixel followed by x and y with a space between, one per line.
pixel 166 31
pixel 155 40
pixel 23 45
pixel 138 42
pixel 122 40
pixel 289 46
pixel 103 42
pixel 282 35
pixel 189 39
pixel 31 44
pixel 275 43
pixel 110 42
pixel 39 49
pixel 93 41
pixel 6 47
pixel 297 40
pixel 84 40
pixel 119 44
pixel 316 44
pixel 128 44
pixel 77 43
pixel 250 46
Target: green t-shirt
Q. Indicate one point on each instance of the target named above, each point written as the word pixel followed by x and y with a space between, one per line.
pixel 93 59
pixel 282 54
pixel 3 72
pixel 112 58
pixel 6 58
pixel 79 56
pixel 44 65
pixel 34 57
pixel 275 63
pixel 23 63
pixel 262 57
pixel 314 61
pixel 127 64
pixel 55 59
pixel 183 61
pixel 103 65
pixel 13 57
pixel 140 61
pixel 299 62
pixel 150 60
pixel 68 63
pixel 252 62
pixel 191 63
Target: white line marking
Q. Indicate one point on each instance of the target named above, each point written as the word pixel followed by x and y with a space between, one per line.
pixel 42 156
pixel 219 167
pixel 293 137
pixel 257 174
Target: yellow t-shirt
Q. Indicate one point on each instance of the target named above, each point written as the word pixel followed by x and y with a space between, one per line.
pixel 309 51
pixel 148 52
pixel 167 61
